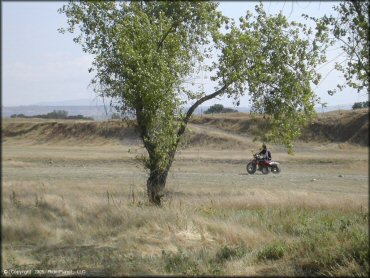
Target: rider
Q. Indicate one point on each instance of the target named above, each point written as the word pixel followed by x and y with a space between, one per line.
pixel 265 154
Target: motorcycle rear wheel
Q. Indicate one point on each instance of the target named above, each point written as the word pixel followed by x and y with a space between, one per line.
pixel 251 168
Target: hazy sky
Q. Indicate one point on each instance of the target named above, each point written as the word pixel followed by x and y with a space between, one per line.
pixel 41 65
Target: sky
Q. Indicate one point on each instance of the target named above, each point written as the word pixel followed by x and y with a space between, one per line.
pixel 41 65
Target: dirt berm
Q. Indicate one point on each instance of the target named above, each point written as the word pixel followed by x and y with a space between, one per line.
pixel 337 126
pixel 351 126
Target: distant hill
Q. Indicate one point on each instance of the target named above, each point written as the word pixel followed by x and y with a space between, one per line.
pixel 96 112
pixel 88 108
pixel 220 129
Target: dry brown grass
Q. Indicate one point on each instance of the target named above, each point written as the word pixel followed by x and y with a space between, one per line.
pixel 80 206
pixel 42 225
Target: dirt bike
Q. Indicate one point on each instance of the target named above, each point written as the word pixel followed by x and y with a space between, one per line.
pixel 265 166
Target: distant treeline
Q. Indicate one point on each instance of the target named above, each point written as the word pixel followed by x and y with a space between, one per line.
pixel 358 105
pixel 56 114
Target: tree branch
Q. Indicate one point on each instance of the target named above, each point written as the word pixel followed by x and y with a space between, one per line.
pixel 169 31
pixel 194 106
pixel 354 51
pixel 187 118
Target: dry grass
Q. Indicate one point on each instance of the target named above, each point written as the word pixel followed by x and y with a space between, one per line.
pixel 122 234
pixel 84 207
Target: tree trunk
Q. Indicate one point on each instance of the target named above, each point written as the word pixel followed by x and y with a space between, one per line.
pixel 155 186
pixel 157 178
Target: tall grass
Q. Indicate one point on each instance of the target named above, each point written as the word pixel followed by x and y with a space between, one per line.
pixel 121 235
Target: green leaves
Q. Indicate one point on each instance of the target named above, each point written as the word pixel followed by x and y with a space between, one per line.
pixel 274 61
pixel 350 29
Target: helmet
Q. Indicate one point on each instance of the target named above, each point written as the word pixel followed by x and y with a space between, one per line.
pixel 264 146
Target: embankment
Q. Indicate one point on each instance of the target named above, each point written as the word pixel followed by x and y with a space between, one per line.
pixel 220 130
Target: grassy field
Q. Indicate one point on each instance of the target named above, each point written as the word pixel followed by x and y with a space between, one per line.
pixel 81 205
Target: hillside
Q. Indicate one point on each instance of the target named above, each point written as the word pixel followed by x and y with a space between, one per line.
pixel 223 130
pixel 351 126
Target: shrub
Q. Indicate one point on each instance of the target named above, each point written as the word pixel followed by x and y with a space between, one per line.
pixel 358 105
pixel 272 251
pixel 18 116
pixel 57 114
pixel 219 108
pixel 180 263
pixel 228 253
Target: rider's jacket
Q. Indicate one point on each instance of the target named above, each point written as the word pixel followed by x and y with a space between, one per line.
pixel 266 154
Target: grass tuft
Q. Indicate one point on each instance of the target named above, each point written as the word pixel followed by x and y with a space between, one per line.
pixel 226 253
pixel 180 263
pixel 273 251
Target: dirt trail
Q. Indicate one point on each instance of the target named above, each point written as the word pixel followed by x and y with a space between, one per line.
pixel 212 130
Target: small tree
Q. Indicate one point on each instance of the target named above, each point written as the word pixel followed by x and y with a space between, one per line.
pixel 217 108
pixel 57 114
pixel 144 51
pixel 18 116
pixel 357 105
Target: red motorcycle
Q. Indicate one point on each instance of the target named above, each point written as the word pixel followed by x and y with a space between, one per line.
pixel 265 166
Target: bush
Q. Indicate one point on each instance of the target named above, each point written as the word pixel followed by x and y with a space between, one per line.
pixel 228 253
pixel 18 116
pixel 79 117
pixel 219 108
pixel 359 105
pixel 180 263
pixel 56 114
pixel 272 251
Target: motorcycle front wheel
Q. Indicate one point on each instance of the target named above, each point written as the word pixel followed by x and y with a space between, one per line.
pixel 275 169
pixel 251 168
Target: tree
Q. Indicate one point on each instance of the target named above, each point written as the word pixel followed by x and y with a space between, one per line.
pixel 18 116
pixel 56 114
pixel 219 108
pixel 145 51
pixel 274 61
pixel 350 29
pixel 359 105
